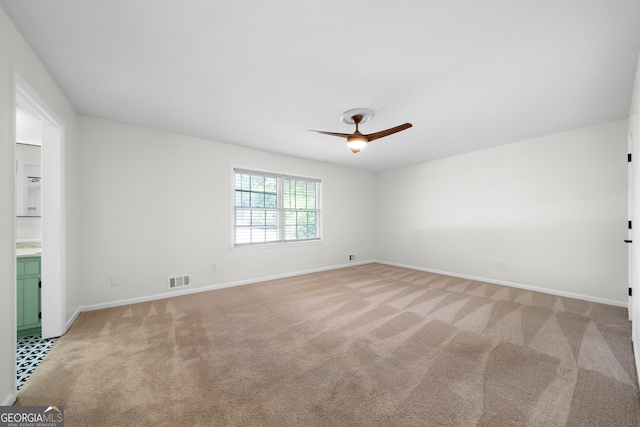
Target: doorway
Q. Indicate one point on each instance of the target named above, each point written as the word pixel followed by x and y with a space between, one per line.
pixel 52 202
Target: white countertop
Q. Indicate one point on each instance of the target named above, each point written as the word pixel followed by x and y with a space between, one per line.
pixel 26 252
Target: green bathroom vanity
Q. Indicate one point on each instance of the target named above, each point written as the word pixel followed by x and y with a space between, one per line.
pixel 29 296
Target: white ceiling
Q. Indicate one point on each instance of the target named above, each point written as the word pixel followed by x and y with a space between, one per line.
pixel 468 74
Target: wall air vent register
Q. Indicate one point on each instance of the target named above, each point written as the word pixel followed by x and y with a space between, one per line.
pixel 176 282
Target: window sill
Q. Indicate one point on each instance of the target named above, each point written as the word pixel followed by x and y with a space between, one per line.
pixel 276 245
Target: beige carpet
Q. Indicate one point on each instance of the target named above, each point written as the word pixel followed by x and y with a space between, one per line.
pixel 370 345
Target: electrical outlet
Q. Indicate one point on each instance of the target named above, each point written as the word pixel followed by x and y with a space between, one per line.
pixel 352 257
pixel 115 281
pixel 500 263
pixel 214 267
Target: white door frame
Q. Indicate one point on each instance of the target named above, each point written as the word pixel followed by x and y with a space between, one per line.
pixel 634 306
pixel 53 206
pixel 631 182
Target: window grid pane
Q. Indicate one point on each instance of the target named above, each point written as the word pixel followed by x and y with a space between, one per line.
pixel 300 209
pixel 301 225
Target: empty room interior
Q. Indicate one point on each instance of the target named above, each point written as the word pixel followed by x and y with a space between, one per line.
pixel 321 213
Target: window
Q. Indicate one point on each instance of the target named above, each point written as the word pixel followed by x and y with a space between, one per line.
pixel 275 208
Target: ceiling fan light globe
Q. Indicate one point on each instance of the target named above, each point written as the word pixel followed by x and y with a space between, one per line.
pixel 356 142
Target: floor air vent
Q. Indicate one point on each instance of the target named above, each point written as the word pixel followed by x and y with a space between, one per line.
pixel 176 282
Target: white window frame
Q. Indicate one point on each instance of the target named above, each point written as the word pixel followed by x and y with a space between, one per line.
pixel 282 241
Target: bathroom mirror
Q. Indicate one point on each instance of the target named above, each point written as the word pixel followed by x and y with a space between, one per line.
pixel 28 180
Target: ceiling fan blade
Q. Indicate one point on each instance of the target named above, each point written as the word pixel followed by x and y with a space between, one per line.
pixel 388 132
pixel 343 135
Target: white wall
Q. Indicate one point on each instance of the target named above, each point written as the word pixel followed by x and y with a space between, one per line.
pixel 15 54
pixel 553 207
pixel 28 229
pixel 156 204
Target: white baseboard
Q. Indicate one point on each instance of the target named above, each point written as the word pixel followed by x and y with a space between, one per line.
pixel 72 319
pixel 9 400
pixel 511 284
pixel 171 294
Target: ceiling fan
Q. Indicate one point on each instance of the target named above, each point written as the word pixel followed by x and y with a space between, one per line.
pixel 356 141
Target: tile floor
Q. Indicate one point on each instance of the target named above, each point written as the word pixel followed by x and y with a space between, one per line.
pixel 30 352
